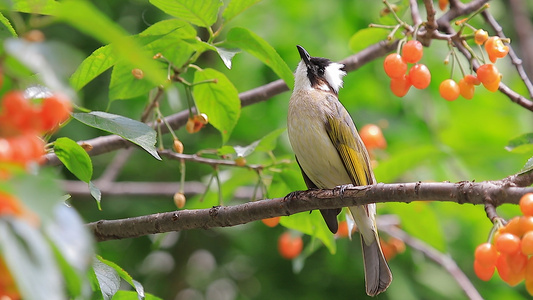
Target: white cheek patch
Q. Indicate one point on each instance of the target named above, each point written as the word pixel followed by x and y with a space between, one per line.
pixel 334 74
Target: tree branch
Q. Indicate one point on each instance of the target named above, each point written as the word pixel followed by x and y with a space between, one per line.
pixel 497 192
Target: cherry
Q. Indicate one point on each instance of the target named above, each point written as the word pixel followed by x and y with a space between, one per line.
pixel 507 243
pixel 480 36
pixel 400 86
pixel 465 89
pixel 449 89
pixel 372 137
pixel 486 254
pixel 289 245
pixel 394 65
pixel 54 110
pixel 495 48
pixel 419 76
pixel 412 51
pixel 271 222
pixel 526 204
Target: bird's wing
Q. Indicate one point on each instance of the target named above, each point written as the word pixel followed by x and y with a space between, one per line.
pixel 344 136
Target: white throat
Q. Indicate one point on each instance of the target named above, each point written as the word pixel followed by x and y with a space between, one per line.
pixel 301 81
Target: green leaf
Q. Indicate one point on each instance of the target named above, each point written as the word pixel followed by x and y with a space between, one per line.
pixel 7 30
pixel 312 224
pixel 130 295
pixel 255 45
pixel 96 193
pixel 108 278
pixel 43 7
pixel 133 131
pixel 86 18
pixel 124 85
pixel 521 144
pixel 366 37
pixel 75 158
pixel 220 100
pixel 98 62
pixel 30 260
pixel 225 150
pixel 181 28
pixel 124 275
pixel 199 12
pixel 236 7
pixel 270 141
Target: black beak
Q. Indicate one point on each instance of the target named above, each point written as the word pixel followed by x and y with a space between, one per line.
pixel 304 55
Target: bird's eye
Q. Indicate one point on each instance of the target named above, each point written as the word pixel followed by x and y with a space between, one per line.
pixel 320 71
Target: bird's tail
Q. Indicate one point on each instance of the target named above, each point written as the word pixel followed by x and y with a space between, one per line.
pixel 377 273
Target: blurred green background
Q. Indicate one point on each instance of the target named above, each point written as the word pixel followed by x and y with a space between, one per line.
pixel 429 139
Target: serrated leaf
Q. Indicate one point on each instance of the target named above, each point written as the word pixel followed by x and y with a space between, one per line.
pixel 227 55
pixel 7 30
pixel 236 7
pixel 521 144
pixel 270 141
pixel 133 131
pixel 108 278
pixel 250 42
pixel 220 100
pixel 74 157
pixel 199 12
pixel 96 194
pixel 366 37
pixel 97 63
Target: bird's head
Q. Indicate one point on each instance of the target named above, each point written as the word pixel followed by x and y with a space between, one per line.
pixel 318 73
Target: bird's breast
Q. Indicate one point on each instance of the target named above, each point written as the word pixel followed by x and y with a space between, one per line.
pixel 314 150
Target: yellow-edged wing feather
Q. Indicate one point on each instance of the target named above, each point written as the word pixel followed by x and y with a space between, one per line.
pixel 346 140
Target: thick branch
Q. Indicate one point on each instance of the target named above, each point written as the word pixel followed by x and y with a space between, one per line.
pixel 224 216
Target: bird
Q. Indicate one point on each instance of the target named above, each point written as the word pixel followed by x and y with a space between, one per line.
pixel 330 153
